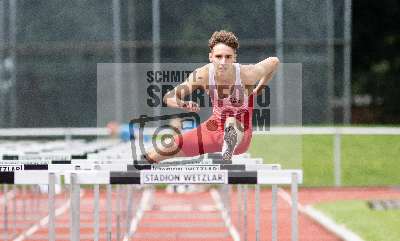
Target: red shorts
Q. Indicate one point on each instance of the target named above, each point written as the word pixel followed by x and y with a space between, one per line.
pixel 209 137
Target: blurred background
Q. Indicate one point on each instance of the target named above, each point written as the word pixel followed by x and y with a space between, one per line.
pixel 349 51
pixel 56 71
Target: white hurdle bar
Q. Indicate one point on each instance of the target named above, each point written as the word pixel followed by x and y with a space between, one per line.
pixel 265 176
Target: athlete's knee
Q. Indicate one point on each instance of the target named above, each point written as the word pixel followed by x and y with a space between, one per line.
pixel 230 121
pixel 233 122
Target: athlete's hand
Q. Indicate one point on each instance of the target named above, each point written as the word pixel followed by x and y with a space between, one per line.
pixel 191 106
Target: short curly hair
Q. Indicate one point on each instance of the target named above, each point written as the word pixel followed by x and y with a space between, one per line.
pixel 225 37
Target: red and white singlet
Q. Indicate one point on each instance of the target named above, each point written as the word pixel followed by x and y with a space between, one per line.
pixel 208 137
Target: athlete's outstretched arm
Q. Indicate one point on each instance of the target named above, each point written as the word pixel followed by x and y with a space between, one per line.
pixel 175 97
pixel 263 71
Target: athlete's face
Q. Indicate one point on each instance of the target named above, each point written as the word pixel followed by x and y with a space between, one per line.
pixel 222 56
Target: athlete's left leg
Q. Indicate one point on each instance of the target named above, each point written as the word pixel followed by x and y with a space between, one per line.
pixel 189 144
pixel 163 153
pixel 154 156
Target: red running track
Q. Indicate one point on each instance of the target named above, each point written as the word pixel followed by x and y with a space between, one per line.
pixel 189 217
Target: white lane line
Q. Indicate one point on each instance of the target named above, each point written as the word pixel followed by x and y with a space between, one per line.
pixel 339 230
pixel 228 222
pixel 144 202
pixel 328 223
pixel 286 196
pixel 8 196
pixel 43 222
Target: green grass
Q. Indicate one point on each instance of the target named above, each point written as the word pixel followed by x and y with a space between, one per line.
pixel 286 150
pixel 371 160
pixel 366 160
pixel 369 224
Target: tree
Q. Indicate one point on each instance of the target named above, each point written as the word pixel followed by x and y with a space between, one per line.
pixel 376 57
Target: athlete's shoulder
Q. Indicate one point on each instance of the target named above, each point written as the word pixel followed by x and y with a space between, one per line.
pixel 246 72
pixel 246 67
pixel 200 75
pixel 205 68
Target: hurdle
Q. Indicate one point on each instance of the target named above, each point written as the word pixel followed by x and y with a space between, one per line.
pixel 93 162
pixel 75 178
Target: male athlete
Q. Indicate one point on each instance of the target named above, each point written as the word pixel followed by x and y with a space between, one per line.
pixel 231 87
